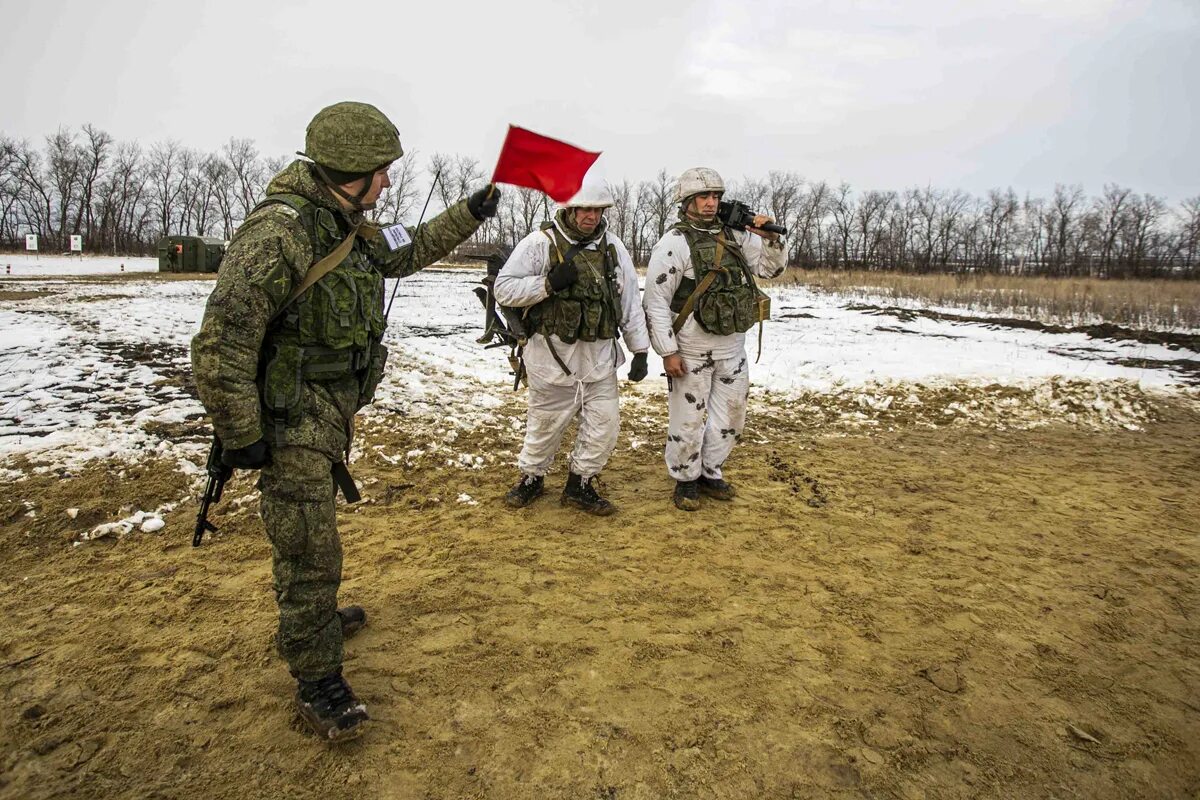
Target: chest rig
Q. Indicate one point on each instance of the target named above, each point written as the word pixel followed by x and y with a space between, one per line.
pixel 332 332
pixel 589 309
pixel 729 303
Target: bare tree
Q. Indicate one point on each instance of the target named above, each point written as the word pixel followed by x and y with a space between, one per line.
pixel 999 221
pixel 1189 235
pixel 657 197
pixel 10 193
pixel 219 181
pixel 36 199
pixel 530 207
pixel 63 172
pixel 94 155
pixel 249 174
pixel 842 210
pixel 870 221
pixel 397 202
pixel 441 172
pixel 1145 237
pixel 807 238
pixel 163 172
pixel 1061 233
pixel 620 216
pixel 782 195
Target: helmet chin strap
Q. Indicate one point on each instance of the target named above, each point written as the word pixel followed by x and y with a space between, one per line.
pixel 355 200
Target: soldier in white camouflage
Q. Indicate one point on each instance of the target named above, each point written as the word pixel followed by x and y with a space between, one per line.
pixel 282 376
pixel 700 300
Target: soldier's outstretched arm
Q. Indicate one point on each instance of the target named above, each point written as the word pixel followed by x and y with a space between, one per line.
pixel 432 240
pixel 258 271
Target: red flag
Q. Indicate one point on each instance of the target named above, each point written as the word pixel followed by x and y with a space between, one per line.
pixel 539 162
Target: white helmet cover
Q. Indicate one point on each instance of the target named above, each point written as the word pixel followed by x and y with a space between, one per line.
pixel 594 195
pixel 696 181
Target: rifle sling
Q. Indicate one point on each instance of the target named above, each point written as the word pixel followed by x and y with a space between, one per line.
pixel 557 357
pixel 341 477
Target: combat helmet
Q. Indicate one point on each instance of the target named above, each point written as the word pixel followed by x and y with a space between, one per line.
pixel 591 195
pixel 698 180
pixel 348 141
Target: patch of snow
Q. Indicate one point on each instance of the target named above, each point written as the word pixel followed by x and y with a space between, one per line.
pixel 100 369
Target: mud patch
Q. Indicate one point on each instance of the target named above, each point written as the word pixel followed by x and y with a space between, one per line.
pixel 17 296
pixel 1107 332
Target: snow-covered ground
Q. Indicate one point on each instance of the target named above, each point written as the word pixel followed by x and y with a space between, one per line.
pixel 94 369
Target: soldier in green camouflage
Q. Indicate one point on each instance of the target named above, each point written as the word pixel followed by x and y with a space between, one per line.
pixel 282 370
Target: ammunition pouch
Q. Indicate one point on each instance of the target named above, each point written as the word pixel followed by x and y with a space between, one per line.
pixel 588 310
pixel 291 366
pixel 282 388
pixel 726 311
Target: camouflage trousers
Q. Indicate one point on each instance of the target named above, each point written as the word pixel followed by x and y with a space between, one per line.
pixel 707 408
pixel 298 512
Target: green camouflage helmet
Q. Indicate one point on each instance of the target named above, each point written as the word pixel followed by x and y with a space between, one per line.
pixel 352 138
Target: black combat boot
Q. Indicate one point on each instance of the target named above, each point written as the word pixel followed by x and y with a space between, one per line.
pixel 583 495
pixel 528 489
pixel 354 619
pixel 716 488
pixel 330 708
pixel 687 496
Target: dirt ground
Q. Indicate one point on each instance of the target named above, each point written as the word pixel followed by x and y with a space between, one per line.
pixel 914 612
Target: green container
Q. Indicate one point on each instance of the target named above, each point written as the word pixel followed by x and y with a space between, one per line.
pixel 190 253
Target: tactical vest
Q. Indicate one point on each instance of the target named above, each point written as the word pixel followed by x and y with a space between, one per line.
pixel 331 332
pixel 728 305
pixel 587 310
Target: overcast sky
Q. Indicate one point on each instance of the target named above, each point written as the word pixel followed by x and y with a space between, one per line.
pixel 881 94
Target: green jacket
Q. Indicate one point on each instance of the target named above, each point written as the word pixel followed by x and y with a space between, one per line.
pixel 268 255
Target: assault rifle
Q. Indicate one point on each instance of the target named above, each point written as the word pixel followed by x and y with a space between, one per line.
pixel 738 216
pixel 218 474
pixel 502 326
pixel 494 327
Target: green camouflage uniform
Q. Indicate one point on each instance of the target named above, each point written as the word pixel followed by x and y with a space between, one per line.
pixel 269 254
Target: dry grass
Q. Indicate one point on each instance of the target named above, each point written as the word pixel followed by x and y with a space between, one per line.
pixel 1143 304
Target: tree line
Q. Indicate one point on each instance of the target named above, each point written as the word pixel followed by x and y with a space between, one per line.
pixel 122 197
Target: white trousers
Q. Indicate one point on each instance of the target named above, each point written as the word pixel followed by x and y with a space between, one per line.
pixel 551 409
pixel 708 412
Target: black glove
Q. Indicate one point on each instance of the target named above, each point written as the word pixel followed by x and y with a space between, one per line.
pixel 638 367
pixel 252 456
pixel 563 275
pixel 482 205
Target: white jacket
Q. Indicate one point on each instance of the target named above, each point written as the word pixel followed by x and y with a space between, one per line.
pixel 522 282
pixel 670 263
